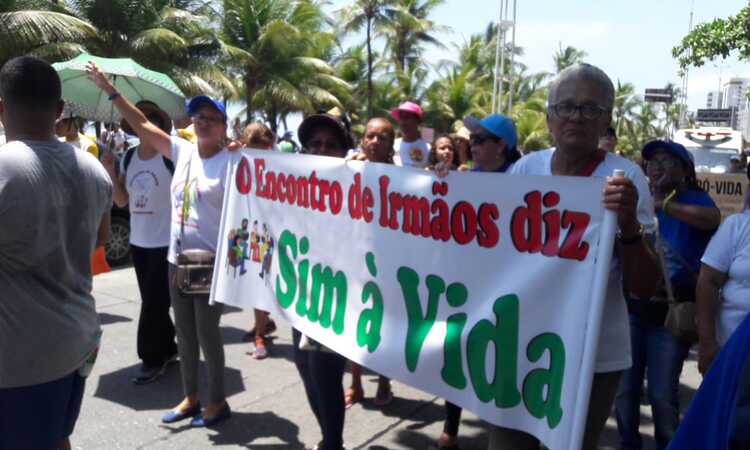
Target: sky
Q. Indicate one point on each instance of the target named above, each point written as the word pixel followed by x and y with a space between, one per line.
pixel 631 40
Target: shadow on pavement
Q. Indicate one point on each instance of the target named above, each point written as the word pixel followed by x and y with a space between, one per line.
pixel 244 428
pixel 163 393
pixel 106 319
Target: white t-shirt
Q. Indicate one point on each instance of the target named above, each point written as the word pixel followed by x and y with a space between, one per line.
pixel 613 353
pixel 148 184
pixel 729 252
pixel 206 197
pixel 52 199
pixel 411 154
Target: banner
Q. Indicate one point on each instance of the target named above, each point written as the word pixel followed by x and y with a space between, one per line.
pixel 477 287
pixel 728 190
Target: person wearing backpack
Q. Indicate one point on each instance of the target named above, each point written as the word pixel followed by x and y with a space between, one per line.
pixel 143 183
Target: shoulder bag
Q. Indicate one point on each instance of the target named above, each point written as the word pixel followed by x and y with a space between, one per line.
pixel 195 267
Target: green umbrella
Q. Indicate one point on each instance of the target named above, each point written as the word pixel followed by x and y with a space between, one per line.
pixel 132 81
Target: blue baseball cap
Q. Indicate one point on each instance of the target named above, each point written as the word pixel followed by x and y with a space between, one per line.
pixel 673 148
pixel 496 124
pixel 197 102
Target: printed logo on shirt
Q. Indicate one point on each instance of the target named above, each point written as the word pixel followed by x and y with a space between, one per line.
pixel 416 154
pixel 142 185
pixel 193 197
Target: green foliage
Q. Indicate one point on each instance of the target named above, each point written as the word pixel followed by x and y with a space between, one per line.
pixel 718 38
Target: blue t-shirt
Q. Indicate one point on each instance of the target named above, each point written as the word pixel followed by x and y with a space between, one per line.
pixel 689 242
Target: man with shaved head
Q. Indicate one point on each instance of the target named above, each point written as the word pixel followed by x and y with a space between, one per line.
pixel 377 142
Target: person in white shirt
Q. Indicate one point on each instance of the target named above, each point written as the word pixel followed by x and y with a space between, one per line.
pixel 723 290
pixel 142 183
pixel 410 150
pixel 579 110
pixel 197 194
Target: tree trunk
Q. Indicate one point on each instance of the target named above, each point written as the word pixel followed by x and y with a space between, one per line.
pixel 369 68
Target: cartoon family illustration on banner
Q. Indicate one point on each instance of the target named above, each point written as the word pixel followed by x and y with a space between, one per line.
pixel 246 245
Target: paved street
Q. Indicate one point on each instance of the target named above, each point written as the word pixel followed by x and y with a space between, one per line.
pixel 270 410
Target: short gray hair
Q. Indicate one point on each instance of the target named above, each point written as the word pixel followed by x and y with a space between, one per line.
pixel 586 72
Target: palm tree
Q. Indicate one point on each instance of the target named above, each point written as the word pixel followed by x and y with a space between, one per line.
pixel 40 28
pixel 626 105
pixel 273 47
pixel 453 97
pixel 160 35
pixel 565 57
pixel 408 27
pixel 367 13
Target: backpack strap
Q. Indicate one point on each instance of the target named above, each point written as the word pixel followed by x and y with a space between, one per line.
pixel 168 164
pixel 127 159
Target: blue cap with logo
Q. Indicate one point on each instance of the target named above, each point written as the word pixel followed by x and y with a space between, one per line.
pixel 201 100
pixel 497 125
pixel 673 148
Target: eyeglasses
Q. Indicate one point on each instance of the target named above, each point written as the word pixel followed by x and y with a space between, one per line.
pixel 664 163
pixel 207 119
pixel 317 146
pixel 587 111
pixel 479 139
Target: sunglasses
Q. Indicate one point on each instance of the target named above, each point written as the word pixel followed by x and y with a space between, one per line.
pixel 479 139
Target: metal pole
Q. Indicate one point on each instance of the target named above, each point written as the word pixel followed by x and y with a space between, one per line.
pixel 512 59
pixel 502 61
pixel 497 59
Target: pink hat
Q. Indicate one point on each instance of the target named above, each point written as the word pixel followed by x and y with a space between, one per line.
pixel 409 107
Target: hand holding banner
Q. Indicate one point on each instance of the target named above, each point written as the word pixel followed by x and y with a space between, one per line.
pixel 476 287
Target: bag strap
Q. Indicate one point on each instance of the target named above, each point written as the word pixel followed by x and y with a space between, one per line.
pixel 185 204
pixel 168 164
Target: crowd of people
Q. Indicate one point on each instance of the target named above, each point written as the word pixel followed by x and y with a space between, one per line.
pixel 674 281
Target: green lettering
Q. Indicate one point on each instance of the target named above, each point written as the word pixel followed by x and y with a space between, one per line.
pixel 453 371
pixel 504 334
pixel 552 378
pixel 325 280
pixel 370 320
pixel 287 243
pixel 419 325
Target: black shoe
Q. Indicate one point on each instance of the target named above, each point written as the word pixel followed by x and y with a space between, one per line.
pixel 148 375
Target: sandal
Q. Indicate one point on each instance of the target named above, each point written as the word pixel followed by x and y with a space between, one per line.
pixel 260 349
pixel 352 397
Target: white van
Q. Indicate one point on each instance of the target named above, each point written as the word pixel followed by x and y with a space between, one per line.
pixel 711 147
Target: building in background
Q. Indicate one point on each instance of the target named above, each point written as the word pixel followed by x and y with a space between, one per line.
pixel 714 100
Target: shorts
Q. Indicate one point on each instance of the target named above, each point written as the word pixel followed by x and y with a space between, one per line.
pixel 41 415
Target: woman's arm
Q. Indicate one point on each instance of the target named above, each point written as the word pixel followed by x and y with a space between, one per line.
pixel 147 132
pixel 708 303
pixel 706 218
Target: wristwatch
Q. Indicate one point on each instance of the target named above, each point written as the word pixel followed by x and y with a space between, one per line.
pixel 630 240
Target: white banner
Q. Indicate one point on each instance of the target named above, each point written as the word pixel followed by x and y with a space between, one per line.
pixel 478 287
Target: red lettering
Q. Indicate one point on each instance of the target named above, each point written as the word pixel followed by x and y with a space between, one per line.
pixel 396 203
pixel 551 225
pixel 335 198
pixel 526 224
pixel 355 198
pixel 574 247
pixel 243 178
pixel 383 181
pixel 463 222
pixel 489 234
pixel 367 203
pixel 280 186
pixel 260 165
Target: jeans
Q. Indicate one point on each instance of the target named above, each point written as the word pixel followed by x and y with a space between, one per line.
pixel 156 332
pixel 655 348
pixel 322 374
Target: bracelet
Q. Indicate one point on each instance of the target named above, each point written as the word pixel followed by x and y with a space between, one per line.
pixel 113 96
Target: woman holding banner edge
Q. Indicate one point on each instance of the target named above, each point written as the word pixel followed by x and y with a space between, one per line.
pixel 493 143
pixel 197 200
pixel 321 370
pixel 579 110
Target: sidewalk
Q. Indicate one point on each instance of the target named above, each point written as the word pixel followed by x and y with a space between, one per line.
pixel 269 406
